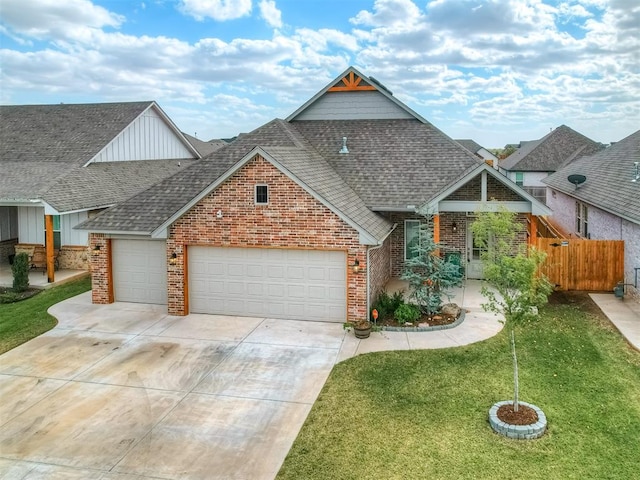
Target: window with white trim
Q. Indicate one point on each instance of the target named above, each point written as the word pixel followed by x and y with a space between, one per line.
pixel 261 194
pixel 520 179
pixel 582 220
pixel 411 238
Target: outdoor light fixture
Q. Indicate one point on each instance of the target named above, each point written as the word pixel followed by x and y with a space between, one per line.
pixel 356 266
pixel 96 250
pixel 454 227
pixel 174 259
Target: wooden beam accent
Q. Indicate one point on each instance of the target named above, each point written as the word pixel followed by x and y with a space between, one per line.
pixel 436 228
pixel 533 229
pixel 110 294
pixel 48 243
pixel 185 279
pixel 351 83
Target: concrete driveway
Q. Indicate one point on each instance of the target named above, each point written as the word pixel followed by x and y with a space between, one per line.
pixel 125 391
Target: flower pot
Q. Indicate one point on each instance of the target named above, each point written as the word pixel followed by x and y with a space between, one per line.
pixel 362 331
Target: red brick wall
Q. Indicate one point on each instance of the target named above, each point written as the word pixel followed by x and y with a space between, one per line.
pixel 292 219
pixel 100 268
pixel 469 191
pixel 498 191
pixel 379 269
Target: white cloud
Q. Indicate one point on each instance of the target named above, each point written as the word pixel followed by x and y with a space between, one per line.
pixel 56 20
pixel 270 13
pixel 220 10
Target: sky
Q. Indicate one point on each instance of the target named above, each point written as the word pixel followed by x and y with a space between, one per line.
pixel 495 71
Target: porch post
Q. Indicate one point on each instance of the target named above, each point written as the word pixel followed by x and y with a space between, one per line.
pixel 436 228
pixel 48 226
pixel 533 230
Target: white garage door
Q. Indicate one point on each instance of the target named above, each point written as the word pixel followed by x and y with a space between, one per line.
pixel 265 282
pixel 139 271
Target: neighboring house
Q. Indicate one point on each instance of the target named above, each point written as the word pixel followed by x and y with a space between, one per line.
pixel 303 218
pixel 63 163
pixel 204 147
pixel 479 151
pixel 536 159
pixel 607 205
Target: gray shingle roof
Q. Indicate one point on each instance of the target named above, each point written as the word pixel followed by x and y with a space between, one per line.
pixel 469 144
pixel 391 163
pixel 551 152
pixel 67 133
pixel 43 149
pixel 204 147
pixel 609 174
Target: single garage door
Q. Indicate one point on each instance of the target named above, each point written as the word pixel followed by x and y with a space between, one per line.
pixel 139 271
pixel 266 282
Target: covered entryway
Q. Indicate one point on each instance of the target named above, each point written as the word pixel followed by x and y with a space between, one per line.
pixel 268 282
pixel 139 271
pixel 475 268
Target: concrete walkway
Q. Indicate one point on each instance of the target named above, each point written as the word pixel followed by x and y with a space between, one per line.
pixel 624 314
pixel 127 392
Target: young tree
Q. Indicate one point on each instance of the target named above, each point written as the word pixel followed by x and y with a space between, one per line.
pixel 512 270
pixel 430 276
pixel 20 270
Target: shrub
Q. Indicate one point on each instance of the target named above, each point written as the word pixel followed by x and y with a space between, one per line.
pixel 20 269
pixel 387 304
pixel 407 313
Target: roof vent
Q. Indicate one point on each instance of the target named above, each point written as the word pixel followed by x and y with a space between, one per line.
pixel 636 176
pixel 344 148
pixel 577 180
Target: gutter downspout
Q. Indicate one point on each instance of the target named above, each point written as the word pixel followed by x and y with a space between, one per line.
pixel 369 267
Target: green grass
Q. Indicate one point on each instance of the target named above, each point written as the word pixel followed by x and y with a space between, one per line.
pixel 423 414
pixel 24 320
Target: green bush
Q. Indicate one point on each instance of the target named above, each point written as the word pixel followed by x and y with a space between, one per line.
pixel 20 269
pixel 407 313
pixel 387 304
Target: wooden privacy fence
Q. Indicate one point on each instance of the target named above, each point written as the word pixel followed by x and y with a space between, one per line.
pixel 574 264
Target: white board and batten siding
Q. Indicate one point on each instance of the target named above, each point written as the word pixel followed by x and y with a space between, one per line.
pixel 31 227
pixel 148 137
pixel 139 269
pixel 368 105
pixel 267 282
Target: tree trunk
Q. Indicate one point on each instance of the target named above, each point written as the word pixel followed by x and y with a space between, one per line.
pixel 516 386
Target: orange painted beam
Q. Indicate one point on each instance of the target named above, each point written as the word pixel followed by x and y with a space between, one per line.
pixel 533 229
pixel 436 228
pixel 185 279
pixel 48 243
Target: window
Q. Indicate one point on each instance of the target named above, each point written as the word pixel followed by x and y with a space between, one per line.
pixel 57 239
pixel 582 220
pixel 540 193
pixel 519 178
pixel 411 238
pixel 262 195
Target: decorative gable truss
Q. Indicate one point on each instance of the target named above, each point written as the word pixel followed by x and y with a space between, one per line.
pixel 351 82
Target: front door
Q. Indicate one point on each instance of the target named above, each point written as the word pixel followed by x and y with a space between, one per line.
pixel 474 257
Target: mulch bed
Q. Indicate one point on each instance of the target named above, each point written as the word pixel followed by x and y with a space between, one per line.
pixel 425 319
pixel 524 416
pixel 7 295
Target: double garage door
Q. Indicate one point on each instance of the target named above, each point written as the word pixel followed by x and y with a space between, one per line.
pixel 266 282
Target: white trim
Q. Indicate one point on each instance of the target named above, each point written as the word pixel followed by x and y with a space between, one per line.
pixel 437 203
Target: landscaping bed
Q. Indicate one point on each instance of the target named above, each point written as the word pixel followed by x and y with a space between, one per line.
pixel 8 295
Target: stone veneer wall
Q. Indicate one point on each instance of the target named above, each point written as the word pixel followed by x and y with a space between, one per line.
pixel 73 257
pixel 291 219
pixel 6 249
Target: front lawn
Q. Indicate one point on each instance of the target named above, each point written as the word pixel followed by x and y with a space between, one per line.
pixel 21 321
pixel 423 414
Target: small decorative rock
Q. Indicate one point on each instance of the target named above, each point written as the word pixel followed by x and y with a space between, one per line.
pixel 423 324
pixel 450 309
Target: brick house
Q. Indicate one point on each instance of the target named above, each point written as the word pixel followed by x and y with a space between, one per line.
pixel 303 218
pixel 607 205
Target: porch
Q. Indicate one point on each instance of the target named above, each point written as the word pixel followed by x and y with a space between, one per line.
pixel 38 278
